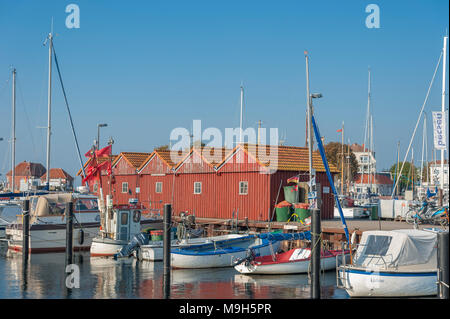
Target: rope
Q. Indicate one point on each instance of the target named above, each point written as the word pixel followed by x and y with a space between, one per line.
pixel 313 248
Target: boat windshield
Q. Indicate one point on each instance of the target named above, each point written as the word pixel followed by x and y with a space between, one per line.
pixel 377 245
pixel 86 204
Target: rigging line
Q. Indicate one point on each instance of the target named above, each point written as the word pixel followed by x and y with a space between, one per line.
pixel 19 87
pixel 68 111
pixel 418 120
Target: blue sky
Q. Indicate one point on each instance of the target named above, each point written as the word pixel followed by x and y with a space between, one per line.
pixel 147 67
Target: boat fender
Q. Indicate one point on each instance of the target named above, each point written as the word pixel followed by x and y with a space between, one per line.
pixel 81 237
pixel 353 239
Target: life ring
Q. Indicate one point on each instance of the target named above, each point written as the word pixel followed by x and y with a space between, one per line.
pixel 81 237
pixel 137 216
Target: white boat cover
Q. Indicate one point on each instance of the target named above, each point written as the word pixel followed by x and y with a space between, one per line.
pixel 396 248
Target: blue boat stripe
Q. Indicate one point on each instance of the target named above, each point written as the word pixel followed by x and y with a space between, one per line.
pixel 392 274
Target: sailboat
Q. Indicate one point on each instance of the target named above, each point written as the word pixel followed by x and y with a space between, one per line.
pixel 47 215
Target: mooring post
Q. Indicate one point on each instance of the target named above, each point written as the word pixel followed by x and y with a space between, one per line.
pixel 315 254
pixel 166 244
pixel 69 233
pixel 25 232
pixel 443 265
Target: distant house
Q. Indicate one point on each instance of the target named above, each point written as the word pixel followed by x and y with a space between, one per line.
pixel 59 179
pixel 378 183
pixel 365 158
pixel 27 176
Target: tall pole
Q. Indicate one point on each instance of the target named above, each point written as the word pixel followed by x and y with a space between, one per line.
pixel 259 132
pixel 423 147
pixel 396 168
pixel 444 65
pixel 308 101
pixel 342 162
pixel 315 254
pixel 166 246
pixel 242 106
pixel 49 128
pixel 13 141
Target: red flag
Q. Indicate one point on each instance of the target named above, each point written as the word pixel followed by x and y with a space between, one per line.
pixel 106 151
pixel 339 130
pixel 89 153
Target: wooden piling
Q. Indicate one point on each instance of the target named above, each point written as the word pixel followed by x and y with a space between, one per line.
pixel 69 233
pixel 166 246
pixel 315 254
pixel 25 230
pixel 443 265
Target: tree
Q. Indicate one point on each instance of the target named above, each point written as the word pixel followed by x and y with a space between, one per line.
pixel 333 152
pixel 407 176
pixel 163 148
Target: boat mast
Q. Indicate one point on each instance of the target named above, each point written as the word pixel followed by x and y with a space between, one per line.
pixel 444 65
pixel 49 128
pixel 13 139
pixel 308 101
pixel 242 106
pixel 342 161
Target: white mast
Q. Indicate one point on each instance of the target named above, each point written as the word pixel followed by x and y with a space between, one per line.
pixel 49 129
pixel 13 139
pixel 242 106
pixel 309 112
pixel 444 64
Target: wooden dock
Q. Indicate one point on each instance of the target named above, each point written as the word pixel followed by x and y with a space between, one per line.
pixel 333 234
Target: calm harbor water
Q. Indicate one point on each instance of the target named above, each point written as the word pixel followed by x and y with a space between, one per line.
pixel 128 278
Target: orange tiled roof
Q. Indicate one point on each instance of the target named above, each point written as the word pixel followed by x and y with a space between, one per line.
pixel 57 173
pixel 286 158
pixel 135 159
pixel 28 169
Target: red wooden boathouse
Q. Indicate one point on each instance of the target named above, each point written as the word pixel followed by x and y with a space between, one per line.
pixel 214 183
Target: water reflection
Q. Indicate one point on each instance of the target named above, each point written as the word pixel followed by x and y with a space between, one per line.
pixel 127 278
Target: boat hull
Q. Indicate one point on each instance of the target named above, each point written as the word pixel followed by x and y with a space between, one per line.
pixel 103 247
pixel 217 258
pixel 107 247
pixel 154 250
pixel 289 267
pixel 52 238
pixel 367 283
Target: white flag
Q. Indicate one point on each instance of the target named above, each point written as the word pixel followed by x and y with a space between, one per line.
pixel 440 140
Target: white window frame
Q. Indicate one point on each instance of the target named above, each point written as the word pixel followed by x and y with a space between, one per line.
pixel 123 184
pixel 195 188
pixel 160 184
pixel 241 187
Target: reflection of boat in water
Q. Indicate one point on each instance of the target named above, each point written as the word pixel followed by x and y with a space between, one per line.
pixel 397 263
pixel 48 223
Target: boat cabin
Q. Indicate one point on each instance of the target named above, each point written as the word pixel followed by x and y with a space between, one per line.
pixel 125 222
pixel 397 248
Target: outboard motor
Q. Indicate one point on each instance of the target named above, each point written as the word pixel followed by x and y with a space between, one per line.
pixel 138 240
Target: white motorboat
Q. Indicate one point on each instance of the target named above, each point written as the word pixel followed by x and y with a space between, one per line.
pixel 397 263
pixel 153 251
pixel 119 225
pixel 294 261
pixel 48 223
